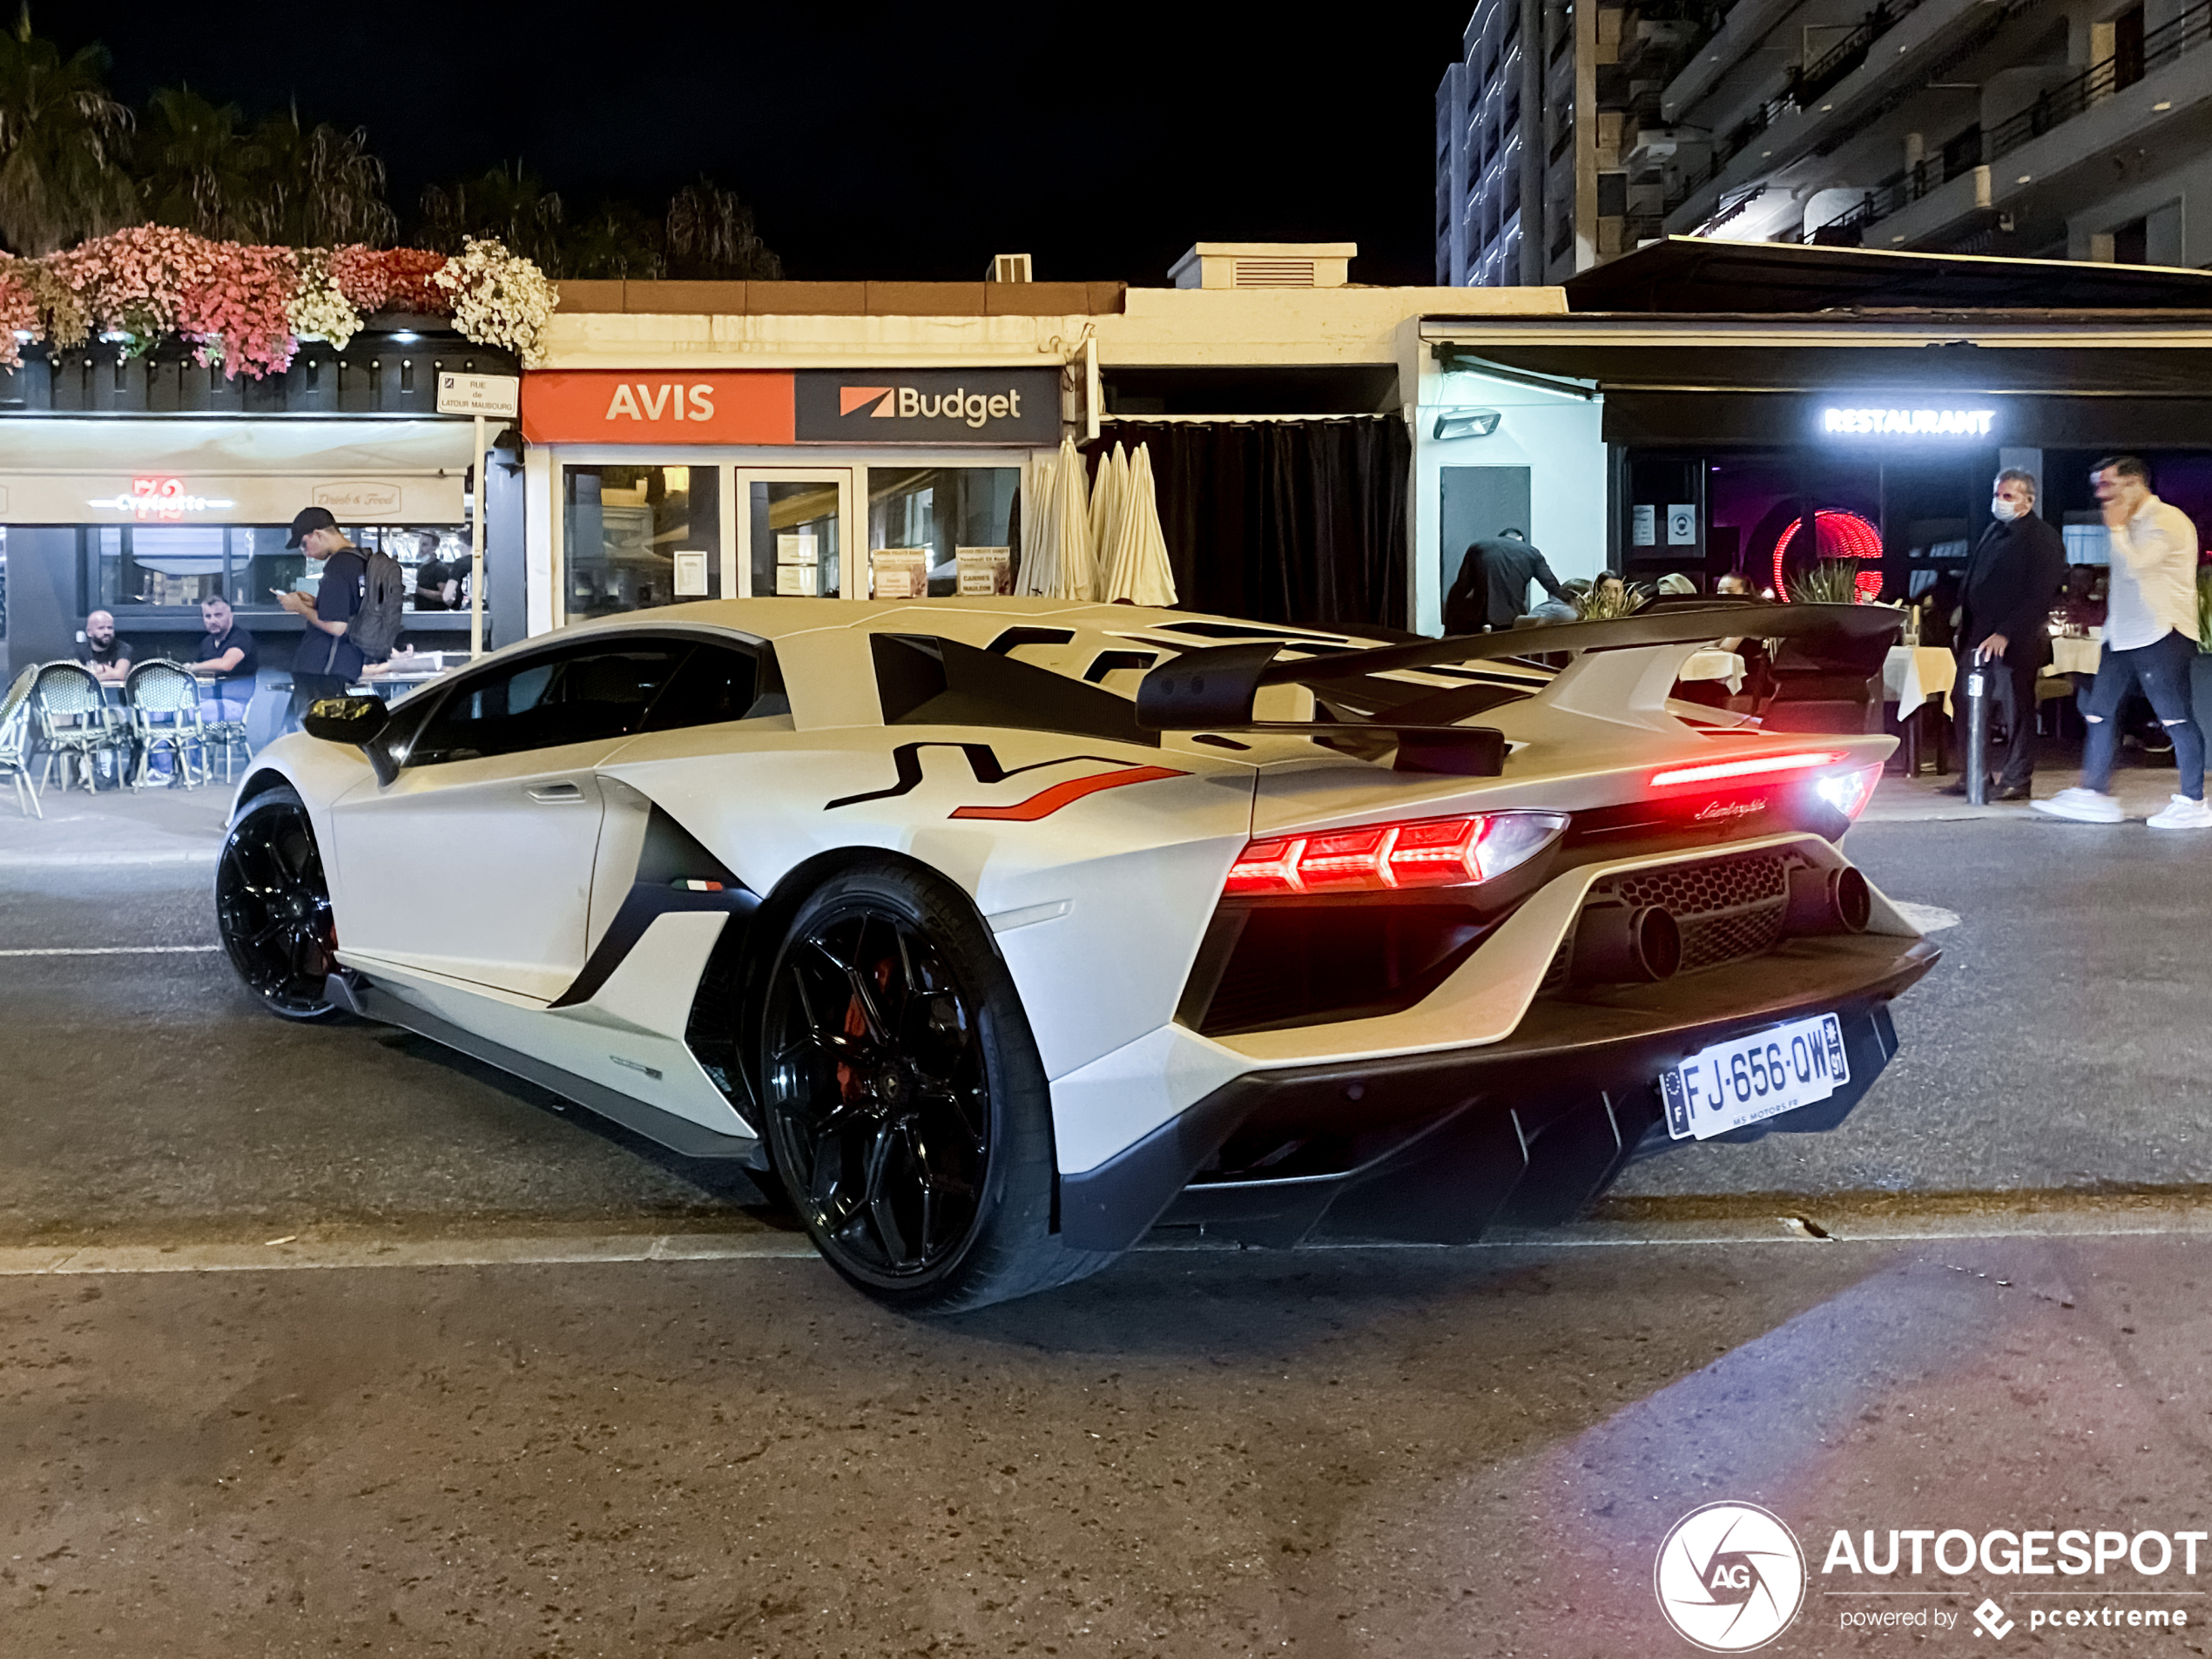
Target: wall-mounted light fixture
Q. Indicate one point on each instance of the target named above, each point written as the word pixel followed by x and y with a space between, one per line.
pixel 1466 423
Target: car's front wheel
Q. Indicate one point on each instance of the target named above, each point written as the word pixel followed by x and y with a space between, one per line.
pixel 273 906
pixel 906 1108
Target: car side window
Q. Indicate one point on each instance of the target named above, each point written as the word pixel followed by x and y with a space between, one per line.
pixel 585 694
pixel 715 683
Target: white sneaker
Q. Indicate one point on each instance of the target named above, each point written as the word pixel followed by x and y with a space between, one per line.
pixel 2184 813
pixel 2085 805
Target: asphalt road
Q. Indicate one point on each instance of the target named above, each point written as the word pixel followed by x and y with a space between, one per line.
pixel 1340 1452
pixel 1345 1452
pixel 2059 1048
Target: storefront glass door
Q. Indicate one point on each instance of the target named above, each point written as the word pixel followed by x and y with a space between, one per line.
pixel 792 526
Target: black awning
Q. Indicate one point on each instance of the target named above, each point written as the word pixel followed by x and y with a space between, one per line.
pixel 1713 363
pixel 1711 276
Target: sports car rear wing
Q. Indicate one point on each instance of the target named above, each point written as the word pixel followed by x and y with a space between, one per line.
pixel 1215 689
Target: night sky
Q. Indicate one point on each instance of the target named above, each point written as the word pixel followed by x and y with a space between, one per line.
pixel 912 142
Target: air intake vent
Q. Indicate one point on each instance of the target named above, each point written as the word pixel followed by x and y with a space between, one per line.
pixel 1264 265
pixel 1009 267
pixel 1274 274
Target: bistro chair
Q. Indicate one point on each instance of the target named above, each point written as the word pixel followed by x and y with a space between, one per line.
pixel 73 723
pixel 163 701
pixel 16 739
pixel 228 735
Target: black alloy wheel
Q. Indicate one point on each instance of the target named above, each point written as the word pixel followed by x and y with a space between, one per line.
pixel 906 1108
pixel 272 907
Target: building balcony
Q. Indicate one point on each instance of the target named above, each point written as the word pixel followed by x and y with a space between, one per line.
pixel 1979 172
pixel 1820 103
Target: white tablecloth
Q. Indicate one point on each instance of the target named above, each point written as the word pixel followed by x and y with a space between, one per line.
pixel 1913 674
pixel 2071 656
pixel 1716 665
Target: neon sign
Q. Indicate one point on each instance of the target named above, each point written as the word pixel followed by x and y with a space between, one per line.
pixel 1908 423
pixel 1836 535
pixel 159 498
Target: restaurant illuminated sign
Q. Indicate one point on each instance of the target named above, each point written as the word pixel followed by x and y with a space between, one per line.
pixel 1908 423
pixel 160 498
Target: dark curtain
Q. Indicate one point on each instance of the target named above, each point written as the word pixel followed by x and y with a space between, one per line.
pixel 1297 522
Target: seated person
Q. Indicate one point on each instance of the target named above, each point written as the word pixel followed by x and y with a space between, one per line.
pixel 100 650
pixel 226 662
pixel 437 584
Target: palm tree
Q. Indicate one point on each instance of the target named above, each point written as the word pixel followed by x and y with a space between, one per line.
pixel 507 203
pixel 615 241
pixel 195 169
pixel 62 139
pixel 712 235
pixel 318 186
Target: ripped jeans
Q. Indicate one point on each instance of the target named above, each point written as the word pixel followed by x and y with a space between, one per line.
pixel 2162 669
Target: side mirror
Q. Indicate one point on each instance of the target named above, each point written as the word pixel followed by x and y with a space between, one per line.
pixel 346 719
pixel 357 720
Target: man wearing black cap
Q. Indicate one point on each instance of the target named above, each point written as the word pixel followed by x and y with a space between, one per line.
pixel 327 662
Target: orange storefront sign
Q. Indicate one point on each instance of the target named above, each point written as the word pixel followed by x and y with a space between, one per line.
pixel 657 406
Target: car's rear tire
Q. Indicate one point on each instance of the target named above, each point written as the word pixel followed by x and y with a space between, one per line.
pixel 906 1108
pixel 273 906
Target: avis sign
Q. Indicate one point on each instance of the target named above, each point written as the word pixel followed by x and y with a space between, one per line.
pixel 649 406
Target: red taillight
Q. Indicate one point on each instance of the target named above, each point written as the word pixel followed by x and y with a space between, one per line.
pixel 1749 766
pixel 1376 858
pixel 1849 791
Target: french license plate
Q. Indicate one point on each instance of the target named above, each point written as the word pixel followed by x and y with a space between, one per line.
pixel 1776 1070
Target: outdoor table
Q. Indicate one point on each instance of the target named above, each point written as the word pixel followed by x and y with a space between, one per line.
pixel 2071 655
pixel 422 669
pixel 1916 676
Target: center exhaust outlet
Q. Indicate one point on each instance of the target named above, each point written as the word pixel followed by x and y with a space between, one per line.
pixel 1614 944
pixel 1829 901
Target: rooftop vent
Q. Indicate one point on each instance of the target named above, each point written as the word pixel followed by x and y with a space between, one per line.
pixel 1009 267
pixel 1264 265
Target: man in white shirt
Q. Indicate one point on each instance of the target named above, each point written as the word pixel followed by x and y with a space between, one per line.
pixel 2150 640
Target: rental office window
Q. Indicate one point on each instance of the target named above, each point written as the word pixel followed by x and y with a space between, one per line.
pixel 938 511
pixel 640 536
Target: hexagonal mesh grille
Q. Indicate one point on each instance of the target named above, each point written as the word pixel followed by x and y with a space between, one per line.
pixel 1700 889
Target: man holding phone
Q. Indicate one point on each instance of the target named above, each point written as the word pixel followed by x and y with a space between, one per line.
pixel 328 661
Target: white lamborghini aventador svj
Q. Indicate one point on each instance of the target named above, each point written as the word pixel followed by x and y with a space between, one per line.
pixel 1000 932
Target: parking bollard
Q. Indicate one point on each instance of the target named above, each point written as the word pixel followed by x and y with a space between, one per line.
pixel 1976 758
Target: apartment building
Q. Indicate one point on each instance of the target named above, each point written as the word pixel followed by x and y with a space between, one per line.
pixel 2071 129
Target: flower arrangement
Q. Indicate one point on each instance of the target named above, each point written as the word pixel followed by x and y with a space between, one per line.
pixel 240 314
pixel 247 306
pixel 390 279
pixel 499 298
pixel 320 310
pixel 18 311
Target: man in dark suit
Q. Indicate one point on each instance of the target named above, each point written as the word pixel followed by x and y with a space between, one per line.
pixel 1492 588
pixel 2013 577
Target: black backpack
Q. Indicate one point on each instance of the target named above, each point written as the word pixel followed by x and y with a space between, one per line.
pixel 375 626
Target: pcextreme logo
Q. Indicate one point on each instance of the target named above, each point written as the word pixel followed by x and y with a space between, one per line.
pixel 1729 1577
pixel 974 410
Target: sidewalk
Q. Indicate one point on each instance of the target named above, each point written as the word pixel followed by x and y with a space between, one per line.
pixel 2142 791
pixel 115 827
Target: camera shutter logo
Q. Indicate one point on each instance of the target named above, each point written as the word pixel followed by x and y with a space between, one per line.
pixel 1729 1577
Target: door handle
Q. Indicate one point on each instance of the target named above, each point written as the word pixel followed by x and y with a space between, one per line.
pixel 555 794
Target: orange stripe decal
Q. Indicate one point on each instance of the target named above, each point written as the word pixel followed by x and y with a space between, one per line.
pixel 1046 802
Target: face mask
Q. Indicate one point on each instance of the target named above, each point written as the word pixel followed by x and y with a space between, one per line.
pixel 2003 509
